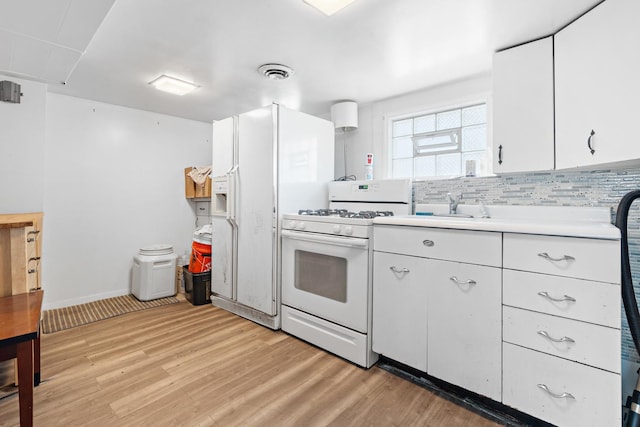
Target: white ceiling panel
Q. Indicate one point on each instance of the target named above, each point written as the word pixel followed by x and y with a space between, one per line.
pixel 60 65
pixel 36 18
pixel 44 39
pixel 6 42
pixel 371 50
pixel 81 21
pixel 29 56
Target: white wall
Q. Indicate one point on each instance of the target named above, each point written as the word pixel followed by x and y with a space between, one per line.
pixel 371 135
pixel 114 182
pixel 22 130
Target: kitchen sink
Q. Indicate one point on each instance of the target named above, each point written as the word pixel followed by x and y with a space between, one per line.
pixel 453 215
pixel 444 215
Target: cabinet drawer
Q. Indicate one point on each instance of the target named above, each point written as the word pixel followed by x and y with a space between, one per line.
pixel 597 399
pixel 593 345
pixel 474 247
pixel 590 259
pixel 594 302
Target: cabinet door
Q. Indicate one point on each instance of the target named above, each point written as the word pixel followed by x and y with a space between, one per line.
pixel 400 308
pixel 464 334
pixel 523 108
pixel 597 87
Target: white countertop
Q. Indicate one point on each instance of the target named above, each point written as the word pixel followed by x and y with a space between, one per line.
pixel 555 221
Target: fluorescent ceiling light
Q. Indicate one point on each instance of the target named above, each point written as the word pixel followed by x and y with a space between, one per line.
pixel 329 7
pixel 173 85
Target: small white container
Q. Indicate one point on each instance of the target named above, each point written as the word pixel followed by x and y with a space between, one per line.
pixel 154 272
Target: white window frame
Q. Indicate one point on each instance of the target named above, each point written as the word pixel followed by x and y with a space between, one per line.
pixel 426 109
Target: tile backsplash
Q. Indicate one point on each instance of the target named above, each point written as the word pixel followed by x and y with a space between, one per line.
pixel 603 188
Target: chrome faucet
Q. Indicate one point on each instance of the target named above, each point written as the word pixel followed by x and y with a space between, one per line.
pixel 483 210
pixel 453 202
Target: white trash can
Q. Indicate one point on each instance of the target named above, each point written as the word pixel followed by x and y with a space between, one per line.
pixel 154 272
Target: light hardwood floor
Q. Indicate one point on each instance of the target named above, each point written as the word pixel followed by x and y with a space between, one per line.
pixel 201 366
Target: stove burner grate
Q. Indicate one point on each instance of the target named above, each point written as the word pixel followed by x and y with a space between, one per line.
pixel 343 213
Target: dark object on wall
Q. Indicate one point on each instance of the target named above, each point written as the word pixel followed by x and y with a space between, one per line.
pixel 10 92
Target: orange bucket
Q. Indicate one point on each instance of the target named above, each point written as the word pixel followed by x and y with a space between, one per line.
pixel 200 260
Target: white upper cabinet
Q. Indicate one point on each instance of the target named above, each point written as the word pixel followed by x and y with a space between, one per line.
pixel 523 138
pixel 597 69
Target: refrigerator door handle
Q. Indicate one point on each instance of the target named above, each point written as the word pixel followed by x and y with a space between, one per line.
pixel 231 197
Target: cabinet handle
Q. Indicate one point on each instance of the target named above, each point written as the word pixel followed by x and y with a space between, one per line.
pixel 33 270
pixel 550 298
pixel 398 270
pixel 589 142
pixel 564 395
pixel 550 258
pixel 550 338
pixel 500 154
pixel 34 234
pixel 455 280
pixel 428 243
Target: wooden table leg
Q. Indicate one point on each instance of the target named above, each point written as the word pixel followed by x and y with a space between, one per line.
pixel 25 376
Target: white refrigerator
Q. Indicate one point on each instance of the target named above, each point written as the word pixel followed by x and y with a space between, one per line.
pixel 266 162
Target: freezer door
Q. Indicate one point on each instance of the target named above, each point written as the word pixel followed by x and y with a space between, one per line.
pixel 222 255
pixel 223 233
pixel 223 146
pixel 255 196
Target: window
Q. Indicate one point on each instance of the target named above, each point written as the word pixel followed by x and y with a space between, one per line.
pixel 445 143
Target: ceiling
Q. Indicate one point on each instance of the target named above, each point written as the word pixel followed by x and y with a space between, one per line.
pixel 108 50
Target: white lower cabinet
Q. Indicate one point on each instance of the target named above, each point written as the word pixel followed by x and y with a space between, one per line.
pixel 435 313
pixel 559 391
pixel 561 329
pixel 464 333
pixel 532 321
pixel 400 308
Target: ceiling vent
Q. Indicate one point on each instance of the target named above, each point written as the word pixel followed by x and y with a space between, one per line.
pixel 275 71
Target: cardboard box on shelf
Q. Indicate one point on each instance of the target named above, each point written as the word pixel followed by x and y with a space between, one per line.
pixel 192 190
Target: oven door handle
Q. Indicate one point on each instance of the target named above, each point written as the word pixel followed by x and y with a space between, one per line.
pixel 349 242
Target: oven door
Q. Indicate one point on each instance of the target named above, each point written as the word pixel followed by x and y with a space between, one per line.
pixel 326 276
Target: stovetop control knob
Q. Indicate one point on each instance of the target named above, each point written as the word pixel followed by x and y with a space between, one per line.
pixel 348 230
pixel 302 225
pixel 336 229
pixel 293 225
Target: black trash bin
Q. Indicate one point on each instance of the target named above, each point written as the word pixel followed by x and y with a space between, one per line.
pixel 197 286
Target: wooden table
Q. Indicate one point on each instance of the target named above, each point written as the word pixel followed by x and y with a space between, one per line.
pixel 20 337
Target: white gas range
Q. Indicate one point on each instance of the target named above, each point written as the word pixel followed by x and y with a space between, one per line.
pixel 327 266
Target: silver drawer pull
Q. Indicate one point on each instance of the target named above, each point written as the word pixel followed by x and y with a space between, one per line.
pixel 550 258
pixel 550 298
pixel 455 280
pixel 398 270
pixel 550 338
pixel 428 243
pixel 564 395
